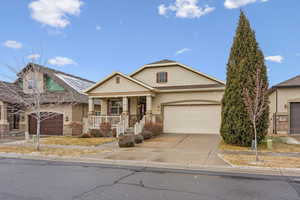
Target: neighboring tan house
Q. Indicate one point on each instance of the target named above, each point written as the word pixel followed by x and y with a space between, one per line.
pixel 285 107
pixel 181 98
pixel 55 86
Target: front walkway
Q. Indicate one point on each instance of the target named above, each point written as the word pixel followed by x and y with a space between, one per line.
pixel 178 149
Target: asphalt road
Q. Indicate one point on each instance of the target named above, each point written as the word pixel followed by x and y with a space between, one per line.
pixel 35 180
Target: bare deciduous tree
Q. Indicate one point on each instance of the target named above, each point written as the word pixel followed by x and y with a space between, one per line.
pixel 35 98
pixel 256 103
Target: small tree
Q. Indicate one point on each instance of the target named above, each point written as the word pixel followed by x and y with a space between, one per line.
pixel 35 98
pixel 256 103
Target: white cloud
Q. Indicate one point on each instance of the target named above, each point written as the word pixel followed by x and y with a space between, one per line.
pixel 98 28
pixel 181 51
pixel 61 61
pixel 54 12
pixel 162 9
pixel 185 9
pixel 277 58
pixel 12 44
pixel 33 56
pixel 232 4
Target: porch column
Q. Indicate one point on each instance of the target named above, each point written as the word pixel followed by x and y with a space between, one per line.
pixel 104 106
pixel 4 113
pixel 149 108
pixel 91 106
pixel 4 125
pixel 149 104
pixel 125 105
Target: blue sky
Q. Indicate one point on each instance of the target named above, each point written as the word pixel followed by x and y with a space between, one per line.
pixel 93 38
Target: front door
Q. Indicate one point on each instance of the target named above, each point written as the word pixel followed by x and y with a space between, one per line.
pixel 16 120
pixel 142 107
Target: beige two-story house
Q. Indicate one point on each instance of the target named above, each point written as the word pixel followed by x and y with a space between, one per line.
pixel 183 99
pixel 62 102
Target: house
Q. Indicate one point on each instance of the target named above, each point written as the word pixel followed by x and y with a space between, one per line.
pixel 285 107
pixel 62 100
pixel 183 99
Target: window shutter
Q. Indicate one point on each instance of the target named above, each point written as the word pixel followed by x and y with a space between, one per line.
pixel 157 77
pixel 166 78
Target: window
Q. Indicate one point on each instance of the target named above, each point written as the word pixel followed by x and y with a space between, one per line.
pixel 115 106
pixel 20 83
pixel 117 80
pixel 31 84
pixel 98 113
pixel 162 77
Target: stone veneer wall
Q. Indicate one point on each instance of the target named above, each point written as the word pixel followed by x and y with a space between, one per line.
pixel 4 129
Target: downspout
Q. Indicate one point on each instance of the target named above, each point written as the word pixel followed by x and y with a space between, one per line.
pixel 276 110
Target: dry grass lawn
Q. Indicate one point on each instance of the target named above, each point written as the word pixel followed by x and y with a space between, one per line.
pixel 47 151
pixel 266 161
pixel 277 146
pixel 65 140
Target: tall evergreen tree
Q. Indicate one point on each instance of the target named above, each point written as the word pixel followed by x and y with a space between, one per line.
pixel 245 58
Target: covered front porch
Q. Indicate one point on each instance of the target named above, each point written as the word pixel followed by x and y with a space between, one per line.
pixel 12 120
pixel 124 102
pixel 125 113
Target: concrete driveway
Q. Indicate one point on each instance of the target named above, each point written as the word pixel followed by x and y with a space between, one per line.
pixel 187 149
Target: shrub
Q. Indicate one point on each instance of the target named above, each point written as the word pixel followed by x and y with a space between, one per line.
pixel 126 141
pixel 114 132
pixel 95 133
pixel 86 135
pixel 105 129
pixel 155 128
pixel 138 138
pixel 76 128
pixel 147 134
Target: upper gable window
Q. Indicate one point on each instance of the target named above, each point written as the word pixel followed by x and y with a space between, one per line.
pixel 32 84
pixel 161 77
pixel 117 79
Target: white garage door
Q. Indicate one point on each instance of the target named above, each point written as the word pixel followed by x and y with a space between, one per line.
pixel 202 119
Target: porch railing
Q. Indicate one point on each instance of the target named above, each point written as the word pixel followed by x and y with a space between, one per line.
pixel 139 126
pixel 95 121
pixel 122 126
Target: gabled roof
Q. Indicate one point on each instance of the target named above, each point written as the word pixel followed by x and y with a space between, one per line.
pixel 168 63
pixel 77 83
pixel 122 75
pixel 295 81
pixel 164 61
pixel 290 83
pixel 8 92
pixel 73 85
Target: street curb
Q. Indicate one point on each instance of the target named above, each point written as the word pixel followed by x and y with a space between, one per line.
pixel 260 168
pixel 170 166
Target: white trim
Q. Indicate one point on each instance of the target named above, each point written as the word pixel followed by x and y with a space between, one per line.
pixel 193 90
pixel 119 96
pixel 123 75
pixel 179 64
